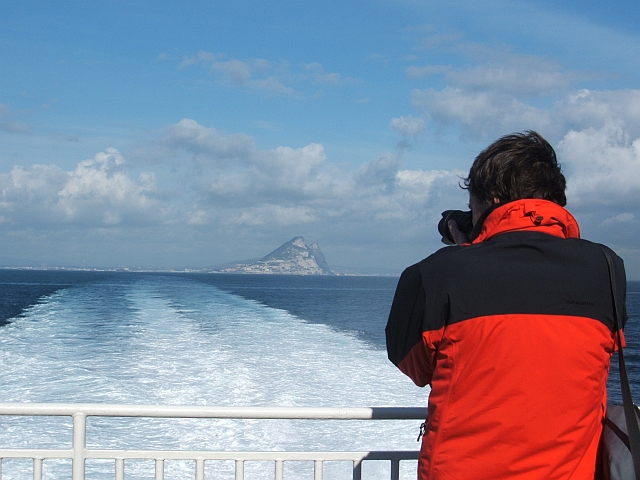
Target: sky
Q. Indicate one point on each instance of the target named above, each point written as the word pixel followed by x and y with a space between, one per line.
pixel 191 134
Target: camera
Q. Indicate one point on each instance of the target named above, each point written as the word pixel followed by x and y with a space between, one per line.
pixel 462 219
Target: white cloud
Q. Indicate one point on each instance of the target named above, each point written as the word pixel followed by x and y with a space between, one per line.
pixel 489 114
pixel 271 84
pixel 596 109
pixel 481 114
pixel 318 74
pixel 495 91
pixel 603 165
pixel 379 172
pixel 99 184
pixel 235 71
pixel 97 192
pixel 246 187
pixel 198 217
pixel 256 74
pixel 201 57
pixel 266 214
pixel 521 75
pixel 208 143
pixel 263 75
pixel 408 126
pixel 526 80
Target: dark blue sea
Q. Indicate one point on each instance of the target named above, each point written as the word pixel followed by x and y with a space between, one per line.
pixel 206 339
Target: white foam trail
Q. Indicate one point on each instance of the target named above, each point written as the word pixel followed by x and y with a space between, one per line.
pixel 170 340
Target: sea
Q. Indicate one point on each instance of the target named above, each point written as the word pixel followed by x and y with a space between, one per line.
pixel 211 339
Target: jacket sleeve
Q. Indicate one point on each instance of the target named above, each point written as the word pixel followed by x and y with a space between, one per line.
pixel 405 345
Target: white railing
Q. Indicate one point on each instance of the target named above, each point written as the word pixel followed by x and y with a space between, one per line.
pixel 79 451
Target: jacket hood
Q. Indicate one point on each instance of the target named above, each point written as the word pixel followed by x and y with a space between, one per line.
pixel 530 214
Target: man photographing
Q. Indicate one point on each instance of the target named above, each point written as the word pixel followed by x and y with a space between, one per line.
pixel 513 330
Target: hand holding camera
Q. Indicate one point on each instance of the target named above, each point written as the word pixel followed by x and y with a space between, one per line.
pixel 455 227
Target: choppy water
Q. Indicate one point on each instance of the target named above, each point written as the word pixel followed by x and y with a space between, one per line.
pixel 162 339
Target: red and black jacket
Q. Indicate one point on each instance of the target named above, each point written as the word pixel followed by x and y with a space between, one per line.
pixel 513 333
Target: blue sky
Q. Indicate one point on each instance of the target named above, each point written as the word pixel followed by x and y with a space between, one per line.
pixel 189 134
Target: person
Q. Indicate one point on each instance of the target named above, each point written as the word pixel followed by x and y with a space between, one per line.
pixel 512 331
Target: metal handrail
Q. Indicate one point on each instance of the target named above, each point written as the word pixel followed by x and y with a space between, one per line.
pixel 79 452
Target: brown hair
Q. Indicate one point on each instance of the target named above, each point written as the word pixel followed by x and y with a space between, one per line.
pixel 521 165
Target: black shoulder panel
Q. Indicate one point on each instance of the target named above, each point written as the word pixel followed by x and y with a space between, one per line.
pixel 518 272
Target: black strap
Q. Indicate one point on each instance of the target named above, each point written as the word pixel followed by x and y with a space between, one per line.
pixel 630 412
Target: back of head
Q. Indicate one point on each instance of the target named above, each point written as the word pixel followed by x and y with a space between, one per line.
pixel 521 165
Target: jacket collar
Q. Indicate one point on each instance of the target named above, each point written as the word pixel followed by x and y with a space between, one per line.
pixel 529 214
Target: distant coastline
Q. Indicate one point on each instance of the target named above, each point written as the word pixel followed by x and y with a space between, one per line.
pixel 294 257
pixel 338 271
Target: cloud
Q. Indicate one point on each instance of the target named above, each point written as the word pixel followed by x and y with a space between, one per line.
pixel 264 214
pixel 206 58
pixel 256 74
pixel 622 218
pixel 235 71
pixel 218 186
pixel 271 84
pixel 408 126
pixel 243 188
pixel 318 75
pixel 489 114
pixel 480 114
pixel 493 91
pixel 379 172
pixel 584 108
pixel 207 143
pixel 98 192
pixel 230 166
pixel 197 217
pixel 263 75
pixel 520 75
pixel 604 167
pixel 530 79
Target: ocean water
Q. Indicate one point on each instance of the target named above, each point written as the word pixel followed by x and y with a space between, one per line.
pixel 200 340
pixel 195 339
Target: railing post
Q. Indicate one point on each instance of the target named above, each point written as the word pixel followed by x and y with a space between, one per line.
pixel 79 445
pixel 239 469
pixel 119 469
pixel 37 469
pixel 159 469
pixel 395 469
pixel 357 469
pixel 279 469
pixel 317 470
pixel 199 469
